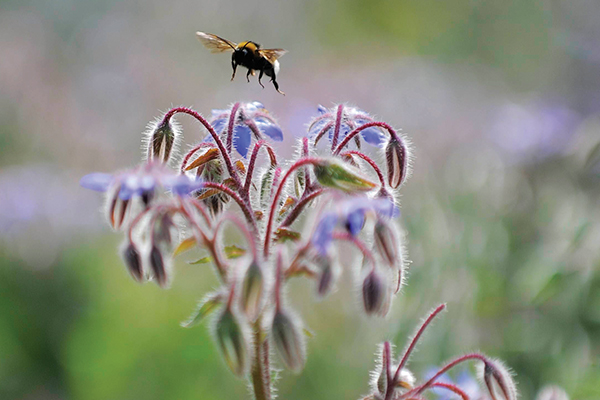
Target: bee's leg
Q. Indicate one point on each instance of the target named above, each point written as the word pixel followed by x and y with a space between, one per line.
pixel 276 85
pixel 248 75
pixel 234 66
pixel 260 75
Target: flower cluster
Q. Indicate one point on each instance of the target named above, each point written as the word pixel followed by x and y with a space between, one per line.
pixel 226 180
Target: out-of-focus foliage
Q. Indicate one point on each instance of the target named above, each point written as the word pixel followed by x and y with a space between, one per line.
pixel 502 214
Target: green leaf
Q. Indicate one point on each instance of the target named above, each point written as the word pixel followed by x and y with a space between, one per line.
pixel 234 251
pixel 184 246
pixel 206 307
pixel 203 260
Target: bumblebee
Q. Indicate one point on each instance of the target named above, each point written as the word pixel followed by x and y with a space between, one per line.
pixel 246 54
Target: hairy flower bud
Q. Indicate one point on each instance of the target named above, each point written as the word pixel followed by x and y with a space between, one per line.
pixel 132 259
pixel 375 294
pixel 159 267
pixel 252 290
pixel 161 140
pixel 499 381
pixel 396 155
pixel 387 244
pixel 552 392
pixel 289 340
pixel 233 341
pixel 332 173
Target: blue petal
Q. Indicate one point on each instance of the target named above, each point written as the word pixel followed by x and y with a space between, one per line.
pixel 324 233
pixel 270 129
pixel 355 221
pixel 372 136
pixel 242 136
pixel 216 113
pixel 254 106
pixel 218 124
pixel 316 127
pixel 321 110
pixel 344 130
pixel 97 181
pixel 181 185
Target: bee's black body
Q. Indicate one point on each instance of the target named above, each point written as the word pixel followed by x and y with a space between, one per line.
pixel 246 54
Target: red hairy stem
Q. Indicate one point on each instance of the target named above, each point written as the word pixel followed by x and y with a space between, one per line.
pixel 211 131
pixel 416 338
pixel 338 124
pixel 305 153
pixel 322 132
pixel 369 161
pixel 300 163
pixel 420 389
pixel 208 244
pixel 452 388
pixel 260 373
pixel 356 131
pixel 357 242
pixel 243 205
pixel 252 163
pixel 200 207
pixel 231 125
pixel 303 202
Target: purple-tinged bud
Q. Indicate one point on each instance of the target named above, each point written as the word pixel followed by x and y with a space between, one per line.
pixel 159 267
pixel 252 290
pixel 396 155
pixel 499 381
pixel 332 173
pixel 133 261
pixel 387 244
pixel 162 138
pixel 233 341
pixel 375 294
pixel 552 392
pixel 163 231
pixel 289 340
pixel 117 209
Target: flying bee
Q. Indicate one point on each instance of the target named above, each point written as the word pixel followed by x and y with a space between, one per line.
pixel 246 54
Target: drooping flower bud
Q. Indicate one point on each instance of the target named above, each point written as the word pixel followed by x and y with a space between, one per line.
pixel 332 173
pixel 387 243
pixel 396 155
pixel 162 137
pixel 252 290
pixel 160 268
pixel 116 209
pixel 499 381
pixel 131 257
pixel 552 392
pixel 233 341
pixel 289 340
pixel 375 294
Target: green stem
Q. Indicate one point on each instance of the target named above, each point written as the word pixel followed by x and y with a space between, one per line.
pixel 260 373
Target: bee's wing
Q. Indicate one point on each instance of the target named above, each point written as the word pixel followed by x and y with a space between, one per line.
pixel 214 43
pixel 272 54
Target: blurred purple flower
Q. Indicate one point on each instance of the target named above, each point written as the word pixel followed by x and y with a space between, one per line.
pixel 534 130
pixel 252 118
pixel 352 118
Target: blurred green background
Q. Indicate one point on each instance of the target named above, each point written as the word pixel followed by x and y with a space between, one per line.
pixel 502 214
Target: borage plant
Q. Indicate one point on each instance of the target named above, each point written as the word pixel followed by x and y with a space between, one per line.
pixel 165 211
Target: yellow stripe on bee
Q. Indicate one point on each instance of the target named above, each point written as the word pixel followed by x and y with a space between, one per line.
pixel 249 45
